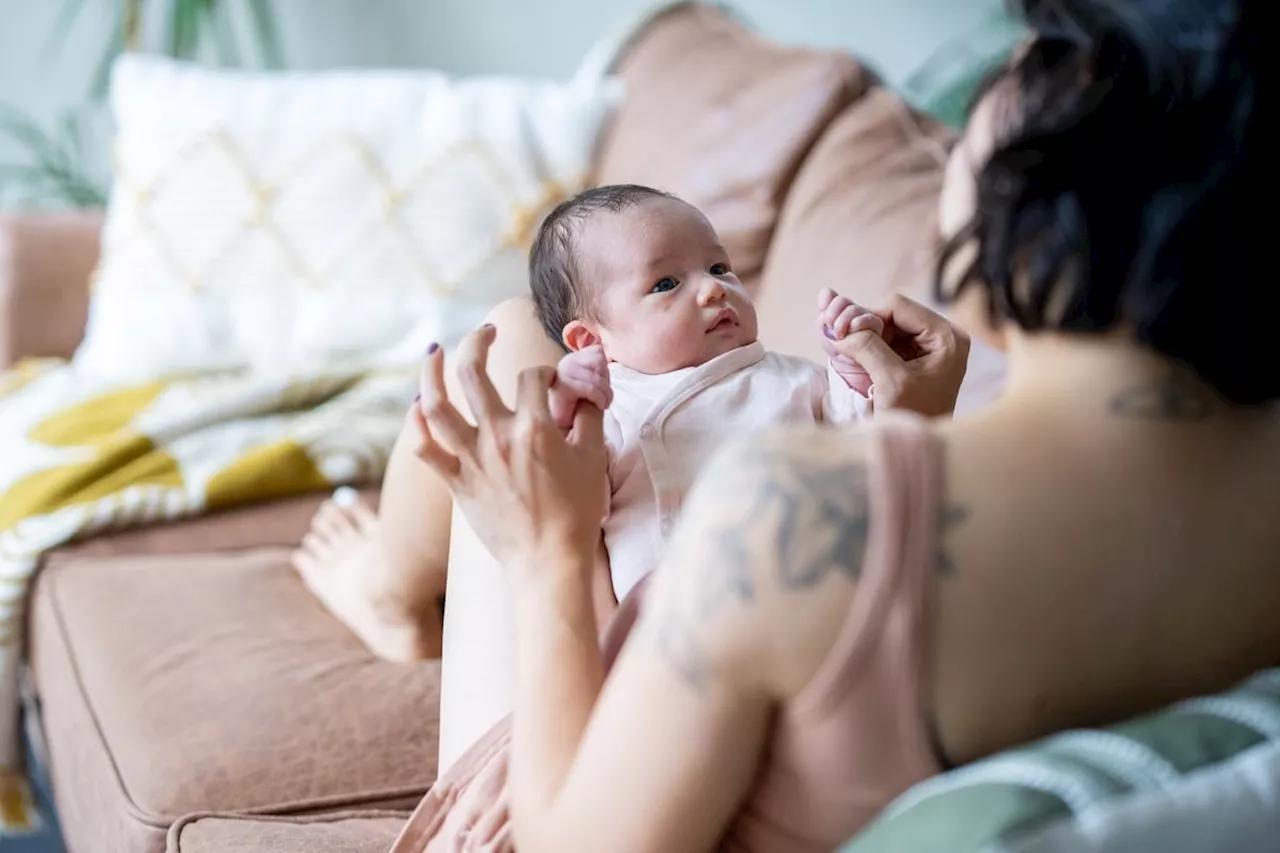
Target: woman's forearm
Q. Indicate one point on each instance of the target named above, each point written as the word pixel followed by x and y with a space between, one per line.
pixel 559 674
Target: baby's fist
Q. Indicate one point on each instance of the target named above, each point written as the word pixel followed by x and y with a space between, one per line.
pixel 580 376
pixel 839 317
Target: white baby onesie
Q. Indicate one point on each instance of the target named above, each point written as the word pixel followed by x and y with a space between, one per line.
pixel 661 429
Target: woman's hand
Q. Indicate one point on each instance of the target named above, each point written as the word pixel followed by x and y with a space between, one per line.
pixel 917 364
pixel 527 489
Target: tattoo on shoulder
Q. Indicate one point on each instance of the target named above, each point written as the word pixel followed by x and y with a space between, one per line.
pixel 787 518
pixel 1175 398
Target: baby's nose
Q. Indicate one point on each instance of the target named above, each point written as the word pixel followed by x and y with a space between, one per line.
pixel 711 291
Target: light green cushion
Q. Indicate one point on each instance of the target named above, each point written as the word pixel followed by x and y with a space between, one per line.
pixel 945 83
pixel 994 801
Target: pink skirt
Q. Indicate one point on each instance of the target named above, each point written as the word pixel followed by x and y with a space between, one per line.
pixel 467 810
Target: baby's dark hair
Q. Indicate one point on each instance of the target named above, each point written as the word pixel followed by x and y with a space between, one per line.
pixel 1128 185
pixel 555 278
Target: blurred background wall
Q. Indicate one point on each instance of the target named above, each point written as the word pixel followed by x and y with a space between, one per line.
pixel 51 50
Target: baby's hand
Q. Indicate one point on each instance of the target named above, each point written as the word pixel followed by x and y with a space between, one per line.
pixel 580 376
pixel 838 318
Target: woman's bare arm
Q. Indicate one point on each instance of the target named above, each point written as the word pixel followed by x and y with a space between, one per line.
pixel 745 609
pixel 740 616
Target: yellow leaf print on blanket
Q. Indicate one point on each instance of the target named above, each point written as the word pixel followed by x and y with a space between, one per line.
pixel 125 460
pixel 97 419
pixel 276 470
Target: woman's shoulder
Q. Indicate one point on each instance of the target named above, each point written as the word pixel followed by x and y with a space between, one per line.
pixel 771 548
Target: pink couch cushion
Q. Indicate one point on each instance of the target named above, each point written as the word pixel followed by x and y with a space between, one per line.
pixel 861 218
pixel 343 833
pixel 174 684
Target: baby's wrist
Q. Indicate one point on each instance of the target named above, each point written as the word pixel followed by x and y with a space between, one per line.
pixel 853 376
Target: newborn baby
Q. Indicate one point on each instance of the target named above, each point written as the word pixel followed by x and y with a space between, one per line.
pixel 634 283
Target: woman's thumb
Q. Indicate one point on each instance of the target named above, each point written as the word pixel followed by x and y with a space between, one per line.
pixel 588 424
pixel 873 355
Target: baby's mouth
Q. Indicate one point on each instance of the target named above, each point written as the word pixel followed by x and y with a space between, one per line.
pixel 726 319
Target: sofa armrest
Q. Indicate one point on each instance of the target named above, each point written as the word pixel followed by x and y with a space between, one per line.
pixel 46 261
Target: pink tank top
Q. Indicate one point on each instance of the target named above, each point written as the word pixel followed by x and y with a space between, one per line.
pixel 853 739
pixel 856 736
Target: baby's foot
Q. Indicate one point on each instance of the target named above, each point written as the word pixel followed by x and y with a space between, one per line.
pixel 342 563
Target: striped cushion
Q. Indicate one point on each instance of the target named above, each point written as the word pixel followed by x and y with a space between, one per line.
pixel 1075 775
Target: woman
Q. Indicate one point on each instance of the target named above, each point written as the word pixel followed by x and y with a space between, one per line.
pixel 844 614
pixel 854 612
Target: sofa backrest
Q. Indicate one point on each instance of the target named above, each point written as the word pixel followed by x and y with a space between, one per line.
pixel 860 217
pixel 814 173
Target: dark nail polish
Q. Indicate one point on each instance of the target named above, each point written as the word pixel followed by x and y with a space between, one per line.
pixel 487 327
pixel 431 349
pixel 830 335
pixel 417 398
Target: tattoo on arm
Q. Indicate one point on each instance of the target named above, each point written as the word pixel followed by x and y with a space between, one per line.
pixel 1177 398
pixel 778 517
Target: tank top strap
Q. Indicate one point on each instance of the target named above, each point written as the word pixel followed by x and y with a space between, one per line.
pixel 880 648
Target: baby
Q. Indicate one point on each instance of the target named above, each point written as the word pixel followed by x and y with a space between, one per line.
pixel 635 285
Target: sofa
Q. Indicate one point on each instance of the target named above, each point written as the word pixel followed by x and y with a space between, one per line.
pixel 184 690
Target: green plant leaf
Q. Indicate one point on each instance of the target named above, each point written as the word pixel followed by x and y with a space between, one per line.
pixel 102 71
pixel 17 172
pixel 54 169
pixel 264 23
pixel 68 13
pixel 224 36
pixel 187 19
pixel 25 132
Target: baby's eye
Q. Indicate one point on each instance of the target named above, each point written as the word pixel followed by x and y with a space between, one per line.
pixel 664 285
pixel 719 269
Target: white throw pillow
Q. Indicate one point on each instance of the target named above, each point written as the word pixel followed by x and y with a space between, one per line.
pixel 278 220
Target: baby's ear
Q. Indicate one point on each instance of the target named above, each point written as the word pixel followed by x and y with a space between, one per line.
pixel 578 336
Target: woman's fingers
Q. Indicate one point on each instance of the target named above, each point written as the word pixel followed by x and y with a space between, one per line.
pixel 909 316
pixel 934 356
pixel 472 369
pixel 531 393
pixel 429 450
pixel 534 423
pixel 442 420
pixel 931 335
pixel 877 358
pixel 588 427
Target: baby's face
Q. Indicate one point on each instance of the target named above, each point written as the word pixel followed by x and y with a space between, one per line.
pixel 664 292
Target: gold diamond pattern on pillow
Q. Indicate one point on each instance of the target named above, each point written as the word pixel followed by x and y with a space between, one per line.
pixel 386 212
pixel 287 221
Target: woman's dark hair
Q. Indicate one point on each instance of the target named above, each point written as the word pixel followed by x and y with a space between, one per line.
pixel 1127 188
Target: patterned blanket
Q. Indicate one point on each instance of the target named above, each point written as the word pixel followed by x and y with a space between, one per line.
pixel 78 459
